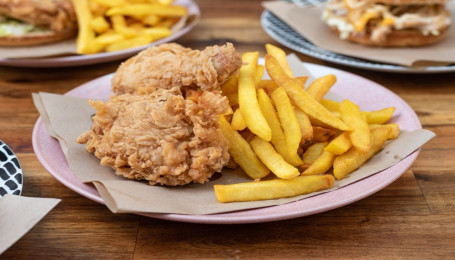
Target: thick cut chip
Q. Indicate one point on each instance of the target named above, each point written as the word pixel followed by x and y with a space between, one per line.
pixel 331 105
pixel 354 158
pixel 280 55
pixel 278 139
pixel 259 74
pixel 340 144
pixel 394 130
pixel 237 121
pixel 379 116
pixel 86 35
pixel 320 86
pixel 232 164
pixel 231 85
pixel 301 99
pixel 288 119
pixel 242 153
pixel 312 153
pixel 273 160
pixel 148 9
pixel 321 165
pixel 130 43
pixel 305 126
pixel 273 189
pixel 360 135
pixel 248 101
pixel 322 134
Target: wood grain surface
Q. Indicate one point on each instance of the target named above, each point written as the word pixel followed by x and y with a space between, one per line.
pixel 413 218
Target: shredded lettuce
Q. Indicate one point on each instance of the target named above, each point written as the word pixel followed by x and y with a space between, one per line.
pixel 13 27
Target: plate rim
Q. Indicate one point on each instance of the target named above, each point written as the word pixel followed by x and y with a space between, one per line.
pixel 227 218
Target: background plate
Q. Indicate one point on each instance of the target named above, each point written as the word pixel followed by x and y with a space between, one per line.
pixel 282 33
pixel 367 94
pixel 79 60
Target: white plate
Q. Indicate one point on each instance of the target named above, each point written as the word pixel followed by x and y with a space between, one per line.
pixel 79 60
pixel 367 94
pixel 282 33
pixel 10 172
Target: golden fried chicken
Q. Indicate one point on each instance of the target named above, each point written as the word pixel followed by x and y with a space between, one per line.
pixel 170 65
pixel 161 136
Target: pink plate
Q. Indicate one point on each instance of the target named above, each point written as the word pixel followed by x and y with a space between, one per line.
pixel 79 60
pixel 367 94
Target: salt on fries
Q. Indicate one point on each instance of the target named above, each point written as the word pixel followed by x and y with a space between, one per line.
pixel 288 129
pixel 112 25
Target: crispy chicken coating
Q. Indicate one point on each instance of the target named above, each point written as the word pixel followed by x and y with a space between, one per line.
pixel 160 137
pixel 170 65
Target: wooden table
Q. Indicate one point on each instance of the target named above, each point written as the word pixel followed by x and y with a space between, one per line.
pixel 413 218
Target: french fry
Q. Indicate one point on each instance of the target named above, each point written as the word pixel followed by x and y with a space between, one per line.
pixel 157 32
pixel 99 24
pixel 288 119
pixel 312 153
pixel 340 144
pixel 233 98
pixel 232 164
pixel 379 116
pixel 130 18
pixel 86 34
pixel 151 20
pixel 96 9
pixel 306 128
pixel 148 9
pixel 109 37
pixel 301 81
pixel 231 85
pixel 248 101
pixel 331 105
pixel 320 86
pixel 237 121
pixel 360 135
pixel 272 189
pixel 322 134
pixel 301 99
pixel 259 74
pixel 321 165
pixel 268 85
pixel 119 25
pixel 273 160
pixel 242 153
pixel 111 3
pixel 280 56
pixel 351 160
pixel 278 140
pixel 394 129
pixel 129 43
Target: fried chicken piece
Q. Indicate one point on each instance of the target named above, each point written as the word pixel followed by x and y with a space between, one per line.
pixel 170 65
pixel 160 137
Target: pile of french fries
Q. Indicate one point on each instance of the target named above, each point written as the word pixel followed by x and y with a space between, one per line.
pixel 287 128
pixel 112 25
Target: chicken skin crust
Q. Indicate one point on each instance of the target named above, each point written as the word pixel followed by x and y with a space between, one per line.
pixel 160 137
pixel 169 65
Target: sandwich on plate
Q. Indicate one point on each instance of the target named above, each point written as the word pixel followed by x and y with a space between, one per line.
pixel 388 23
pixel 32 22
